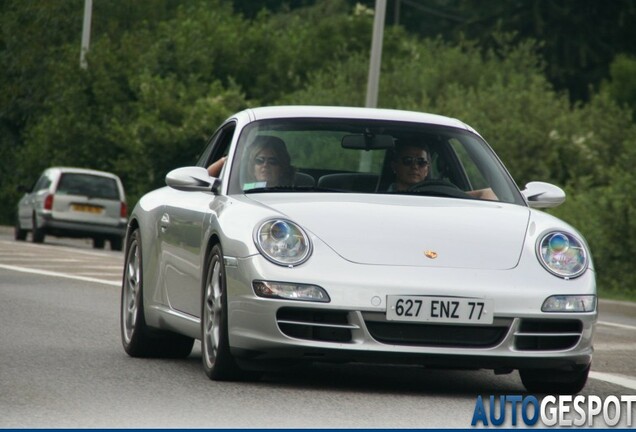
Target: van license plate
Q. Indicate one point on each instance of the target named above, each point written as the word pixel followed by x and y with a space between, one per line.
pixel 86 208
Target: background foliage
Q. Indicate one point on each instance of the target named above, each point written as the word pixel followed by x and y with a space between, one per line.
pixel 555 97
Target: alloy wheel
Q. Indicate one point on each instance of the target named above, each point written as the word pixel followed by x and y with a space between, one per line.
pixel 132 281
pixel 212 313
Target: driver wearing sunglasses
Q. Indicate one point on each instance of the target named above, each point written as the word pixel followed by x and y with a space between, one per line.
pixel 410 165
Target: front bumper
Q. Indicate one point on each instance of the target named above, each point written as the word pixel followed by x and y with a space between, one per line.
pixel 353 327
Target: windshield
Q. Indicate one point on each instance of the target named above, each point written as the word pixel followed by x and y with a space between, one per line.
pixel 362 156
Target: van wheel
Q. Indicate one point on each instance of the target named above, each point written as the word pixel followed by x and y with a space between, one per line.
pixel 38 233
pixel 116 243
pixel 98 243
pixel 19 233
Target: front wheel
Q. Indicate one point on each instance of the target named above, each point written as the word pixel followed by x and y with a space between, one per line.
pixel 554 381
pixel 218 362
pixel 138 339
pixel 116 243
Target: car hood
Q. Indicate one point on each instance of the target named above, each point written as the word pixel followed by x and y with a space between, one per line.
pixel 409 230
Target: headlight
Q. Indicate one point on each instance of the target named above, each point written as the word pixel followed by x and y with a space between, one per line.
pixel 562 254
pixel 283 242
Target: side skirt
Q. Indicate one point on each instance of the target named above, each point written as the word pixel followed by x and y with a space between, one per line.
pixel 177 322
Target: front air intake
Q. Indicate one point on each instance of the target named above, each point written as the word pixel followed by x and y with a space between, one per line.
pixel 547 335
pixel 315 324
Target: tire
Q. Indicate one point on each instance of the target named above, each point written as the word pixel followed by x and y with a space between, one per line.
pixel 218 362
pixel 116 243
pixel 554 381
pixel 19 233
pixel 98 243
pixel 37 233
pixel 138 339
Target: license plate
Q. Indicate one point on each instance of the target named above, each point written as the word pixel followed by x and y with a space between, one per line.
pixel 86 208
pixel 439 309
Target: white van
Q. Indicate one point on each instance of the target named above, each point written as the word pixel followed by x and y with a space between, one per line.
pixel 74 202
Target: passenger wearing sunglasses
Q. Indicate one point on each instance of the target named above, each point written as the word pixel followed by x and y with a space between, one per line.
pixel 269 162
pixel 410 165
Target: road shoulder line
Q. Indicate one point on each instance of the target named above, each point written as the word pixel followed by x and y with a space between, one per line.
pixel 56 274
pixel 611 324
pixel 621 380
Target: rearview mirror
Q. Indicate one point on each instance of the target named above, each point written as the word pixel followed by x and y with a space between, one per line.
pixel 368 141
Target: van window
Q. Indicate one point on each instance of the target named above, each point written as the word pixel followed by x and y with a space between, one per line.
pixel 88 185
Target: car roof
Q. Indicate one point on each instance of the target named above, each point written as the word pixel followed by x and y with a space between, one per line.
pixel 83 171
pixel 300 111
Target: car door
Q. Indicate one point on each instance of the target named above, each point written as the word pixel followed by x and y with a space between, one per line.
pixel 182 231
pixel 28 204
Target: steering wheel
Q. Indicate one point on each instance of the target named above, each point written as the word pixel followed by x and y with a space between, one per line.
pixel 438 188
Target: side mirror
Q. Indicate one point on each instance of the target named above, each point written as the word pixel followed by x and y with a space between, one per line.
pixel 543 195
pixel 192 179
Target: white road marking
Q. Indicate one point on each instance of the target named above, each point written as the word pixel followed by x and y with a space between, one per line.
pixel 56 274
pixel 621 380
pixel 623 326
pixel 614 346
pixel 81 265
pixel 55 248
pixel 58 260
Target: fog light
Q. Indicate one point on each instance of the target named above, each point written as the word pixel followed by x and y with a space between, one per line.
pixel 290 291
pixel 570 303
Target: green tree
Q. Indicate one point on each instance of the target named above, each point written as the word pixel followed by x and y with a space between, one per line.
pixel 153 92
pixel 621 85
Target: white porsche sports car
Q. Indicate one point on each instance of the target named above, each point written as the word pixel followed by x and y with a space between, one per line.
pixel 349 234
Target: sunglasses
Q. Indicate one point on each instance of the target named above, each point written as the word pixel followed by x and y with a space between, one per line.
pixel 409 161
pixel 270 160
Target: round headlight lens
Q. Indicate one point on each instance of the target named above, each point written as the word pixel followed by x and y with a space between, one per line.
pixel 283 242
pixel 562 254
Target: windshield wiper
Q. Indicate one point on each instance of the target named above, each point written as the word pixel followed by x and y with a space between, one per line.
pixel 433 193
pixel 291 189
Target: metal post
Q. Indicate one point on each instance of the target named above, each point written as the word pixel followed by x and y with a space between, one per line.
pixel 374 72
pixel 86 32
pixel 376 54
